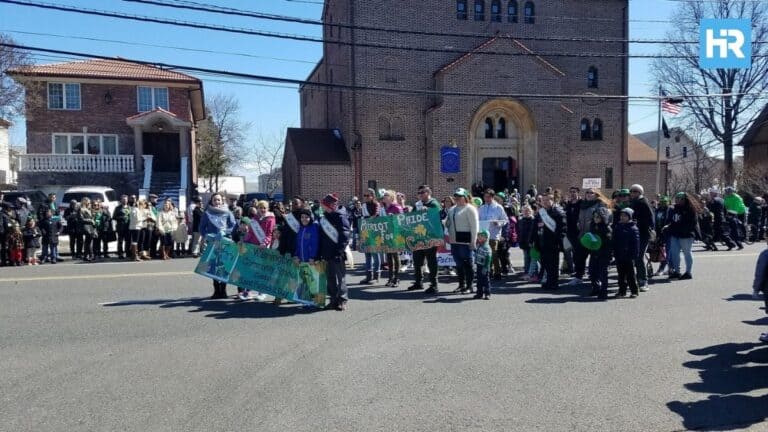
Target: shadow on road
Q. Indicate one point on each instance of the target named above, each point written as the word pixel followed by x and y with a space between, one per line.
pixel 743 297
pixel 225 309
pixel 727 371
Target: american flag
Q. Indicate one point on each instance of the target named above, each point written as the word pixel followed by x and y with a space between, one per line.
pixel 671 106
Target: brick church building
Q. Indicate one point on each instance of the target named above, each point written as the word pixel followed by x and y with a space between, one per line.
pixel 508 86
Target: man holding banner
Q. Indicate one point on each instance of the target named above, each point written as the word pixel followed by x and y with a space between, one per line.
pixel 425 202
pixel 334 228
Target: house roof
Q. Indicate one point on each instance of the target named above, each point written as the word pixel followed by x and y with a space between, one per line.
pixel 516 43
pixel 758 130
pixel 638 151
pixel 650 138
pixel 318 146
pixel 116 69
pixel 5 123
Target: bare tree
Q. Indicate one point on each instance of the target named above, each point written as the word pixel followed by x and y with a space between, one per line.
pixel 267 160
pixel 12 90
pixel 221 140
pixel 732 96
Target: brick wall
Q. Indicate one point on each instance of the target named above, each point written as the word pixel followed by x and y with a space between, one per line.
pixel 644 173
pixel 319 180
pixel 98 116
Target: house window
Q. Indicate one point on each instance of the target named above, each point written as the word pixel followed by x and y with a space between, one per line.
pixel 501 128
pixel 586 130
pixel 81 144
pixel 479 10
pixel 666 151
pixel 512 11
pixel 529 12
pixel 63 96
pixel 592 77
pixel 461 9
pixel 685 152
pixel 496 11
pixel 488 128
pixel 384 128
pixel 597 129
pixel 152 97
pixel 609 178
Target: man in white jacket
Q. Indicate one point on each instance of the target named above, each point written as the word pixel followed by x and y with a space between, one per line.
pixel 492 214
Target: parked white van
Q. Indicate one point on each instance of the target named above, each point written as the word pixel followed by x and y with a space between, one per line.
pixel 102 193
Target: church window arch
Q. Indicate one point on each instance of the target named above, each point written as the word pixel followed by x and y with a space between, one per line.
pixel 586 130
pixel 529 12
pixel 385 131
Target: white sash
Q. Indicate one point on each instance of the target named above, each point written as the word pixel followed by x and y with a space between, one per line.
pixel 329 229
pixel 260 236
pixel 292 222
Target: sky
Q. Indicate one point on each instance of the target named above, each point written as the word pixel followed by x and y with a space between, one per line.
pixel 269 109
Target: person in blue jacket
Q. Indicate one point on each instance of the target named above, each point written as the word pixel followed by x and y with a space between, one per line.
pixel 218 221
pixel 308 238
pixel 626 249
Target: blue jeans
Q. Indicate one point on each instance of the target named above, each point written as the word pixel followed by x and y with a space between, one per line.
pixel 464 257
pixel 372 262
pixel 676 245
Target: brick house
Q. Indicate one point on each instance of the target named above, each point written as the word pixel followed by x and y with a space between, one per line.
pixel 395 138
pixel 112 123
pixel 641 166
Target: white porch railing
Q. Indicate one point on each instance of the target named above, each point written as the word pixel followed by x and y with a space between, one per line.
pixel 75 163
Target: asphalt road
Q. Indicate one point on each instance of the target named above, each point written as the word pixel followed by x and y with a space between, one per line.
pixel 137 347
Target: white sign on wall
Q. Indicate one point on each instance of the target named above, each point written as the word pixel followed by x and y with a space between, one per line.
pixel 592 183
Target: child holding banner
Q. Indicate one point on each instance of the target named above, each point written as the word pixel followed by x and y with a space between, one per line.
pixel 259 232
pixel 393 259
pixel 219 221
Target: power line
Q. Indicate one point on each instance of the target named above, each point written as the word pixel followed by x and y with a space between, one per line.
pixel 345 43
pixel 426 92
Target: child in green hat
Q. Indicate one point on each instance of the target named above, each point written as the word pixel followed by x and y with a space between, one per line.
pixel 483 256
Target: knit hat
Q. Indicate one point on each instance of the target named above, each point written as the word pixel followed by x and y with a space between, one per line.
pixel 680 195
pixel 484 233
pixel 664 199
pixel 637 187
pixel 330 200
pixel 591 241
pixel 371 192
pixel 477 201
pixel 245 220
pixel 628 211
pixel 623 192
pixel 461 192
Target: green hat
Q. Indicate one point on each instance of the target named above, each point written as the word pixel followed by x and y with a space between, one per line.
pixel 501 195
pixel 680 195
pixel 477 201
pixel 664 199
pixel 623 192
pixel 461 192
pixel 484 233
pixel 591 241
pixel 245 220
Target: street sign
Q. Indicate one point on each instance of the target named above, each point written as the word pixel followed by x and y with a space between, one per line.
pixel 592 183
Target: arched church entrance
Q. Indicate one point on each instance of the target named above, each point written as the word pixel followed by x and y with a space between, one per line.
pixel 503 146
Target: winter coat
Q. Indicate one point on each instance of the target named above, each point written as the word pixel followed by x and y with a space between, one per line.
pixel 463 219
pixel 604 231
pixel 572 213
pixel 525 229
pixel 85 222
pixel 643 216
pixel 288 236
pixel 197 216
pixel 308 242
pixel 167 222
pixel 760 282
pixel 122 217
pixel 217 221
pixel 138 219
pixel 44 207
pixel 31 237
pixel 683 222
pixel 180 235
pixel 14 240
pixel 735 203
pixel 626 242
pixel 587 208
pixel 50 230
pixel 330 250
pixel 70 215
pixel 267 224
pixel 545 238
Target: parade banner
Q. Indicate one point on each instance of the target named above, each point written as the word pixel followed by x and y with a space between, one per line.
pixel 399 232
pixel 263 270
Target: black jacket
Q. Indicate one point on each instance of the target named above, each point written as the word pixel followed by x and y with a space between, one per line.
pixel 31 237
pixel 626 242
pixel 643 216
pixel 50 230
pixel 717 207
pixel 330 250
pixel 44 207
pixel 544 238
pixel 525 229
pixel 683 222
pixel 122 217
pixel 572 211
pixel 288 236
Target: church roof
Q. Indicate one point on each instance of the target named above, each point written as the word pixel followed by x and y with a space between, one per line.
pixel 318 146
pixel 492 41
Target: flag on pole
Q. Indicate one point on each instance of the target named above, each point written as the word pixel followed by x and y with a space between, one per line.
pixel 664 128
pixel 671 105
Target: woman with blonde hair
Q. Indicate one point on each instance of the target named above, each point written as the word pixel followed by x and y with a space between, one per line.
pixel 167 224
pixel 137 225
pixel 593 200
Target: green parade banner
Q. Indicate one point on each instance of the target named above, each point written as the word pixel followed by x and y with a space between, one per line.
pixel 400 232
pixel 263 270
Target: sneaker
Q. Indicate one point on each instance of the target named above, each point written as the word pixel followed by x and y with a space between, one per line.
pixel 260 297
pixel 764 337
pixel 686 276
pixel 574 282
pixel 533 279
pixel 633 295
pixel 674 275
pixel 621 294
pixel 756 295
pixel 487 297
pixel 432 290
pixel 415 287
pixel 644 287
pixel 452 272
pixel 244 295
